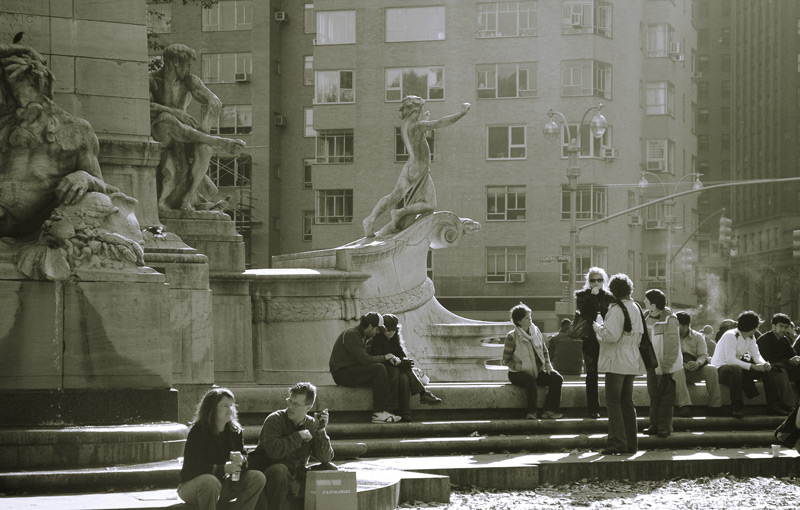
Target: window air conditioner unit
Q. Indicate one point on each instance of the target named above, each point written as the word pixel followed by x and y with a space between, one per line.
pixel 654 224
pixel 675 48
pixel 678 57
pixel 608 153
pixel 697 75
pixel 635 220
pixel 516 276
pixel 576 19
pixel 280 120
pixel 281 16
pixel 314 42
pixel 242 77
pixel 656 166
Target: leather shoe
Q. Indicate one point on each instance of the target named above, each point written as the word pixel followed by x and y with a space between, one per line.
pixel 551 415
pixel 650 431
pixel 776 411
pixel 595 416
pixel 611 451
pixel 429 398
pixel 662 435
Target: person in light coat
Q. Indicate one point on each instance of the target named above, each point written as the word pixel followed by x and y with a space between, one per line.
pixel 620 361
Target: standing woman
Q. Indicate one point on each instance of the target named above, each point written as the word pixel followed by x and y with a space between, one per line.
pixel 525 354
pixel 620 360
pixel 594 298
pixel 389 340
pixel 208 466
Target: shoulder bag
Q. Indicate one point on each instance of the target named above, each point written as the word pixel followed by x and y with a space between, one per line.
pixel 646 349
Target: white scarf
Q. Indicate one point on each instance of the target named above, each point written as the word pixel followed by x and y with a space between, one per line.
pixel 529 347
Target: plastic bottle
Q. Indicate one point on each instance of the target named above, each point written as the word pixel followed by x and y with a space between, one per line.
pixel 236 458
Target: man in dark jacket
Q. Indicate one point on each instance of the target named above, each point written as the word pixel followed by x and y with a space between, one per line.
pixel 288 439
pixel 350 365
pixel 776 347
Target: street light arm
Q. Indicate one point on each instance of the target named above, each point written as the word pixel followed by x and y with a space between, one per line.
pixel 689 237
pixel 688 192
pixel 566 124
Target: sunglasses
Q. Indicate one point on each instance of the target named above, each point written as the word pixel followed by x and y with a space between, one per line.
pixel 595 280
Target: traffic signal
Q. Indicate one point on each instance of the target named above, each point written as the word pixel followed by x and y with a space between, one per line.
pixel 796 244
pixel 725 231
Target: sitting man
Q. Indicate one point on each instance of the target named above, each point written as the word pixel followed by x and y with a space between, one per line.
pixel 739 363
pixel 696 361
pixel 776 347
pixel 350 365
pixel 288 439
pixel 708 333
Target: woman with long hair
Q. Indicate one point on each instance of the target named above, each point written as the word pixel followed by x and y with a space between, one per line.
pixel 594 298
pixel 389 340
pixel 620 335
pixel 214 458
pixel 528 361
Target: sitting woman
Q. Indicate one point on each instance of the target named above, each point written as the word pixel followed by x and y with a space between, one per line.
pixel 389 340
pixel 214 458
pixel 525 354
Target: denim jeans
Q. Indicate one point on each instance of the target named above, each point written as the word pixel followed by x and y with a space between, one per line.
pixel 621 413
pixel 591 353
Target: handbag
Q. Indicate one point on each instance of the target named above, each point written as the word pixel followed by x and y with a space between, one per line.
pixel 646 349
pixel 578 328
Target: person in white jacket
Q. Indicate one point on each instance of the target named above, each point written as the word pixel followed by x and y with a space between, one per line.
pixel 620 361
pixel 739 363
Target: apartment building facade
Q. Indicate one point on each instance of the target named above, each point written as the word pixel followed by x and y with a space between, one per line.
pixel 327 80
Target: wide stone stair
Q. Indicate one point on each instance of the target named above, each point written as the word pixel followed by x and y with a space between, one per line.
pixel 477 436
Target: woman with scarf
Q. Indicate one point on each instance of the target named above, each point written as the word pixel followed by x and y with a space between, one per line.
pixel 620 335
pixel 525 354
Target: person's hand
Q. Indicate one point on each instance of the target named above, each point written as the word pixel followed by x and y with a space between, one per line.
pixel 761 367
pixel 305 435
pixel 548 367
pixel 394 360
pixel 72 187
pixel 693 365
pixel 233 467
pixel 322 419
pixel 595 290
pixel 186 119
pixel 794 360
pixel 465 107
pixel 659 371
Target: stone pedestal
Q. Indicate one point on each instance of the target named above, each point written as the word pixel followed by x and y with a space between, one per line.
pixel 213 234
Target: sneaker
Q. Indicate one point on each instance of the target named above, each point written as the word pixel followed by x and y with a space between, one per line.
pixel 531 416
pixel 551 415
pixel 429 398
pixel 384 417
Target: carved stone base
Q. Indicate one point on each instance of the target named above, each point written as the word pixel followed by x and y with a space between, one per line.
pixel 211 233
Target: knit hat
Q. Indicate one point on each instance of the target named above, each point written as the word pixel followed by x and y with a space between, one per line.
pixel 373 319
pixel 390 322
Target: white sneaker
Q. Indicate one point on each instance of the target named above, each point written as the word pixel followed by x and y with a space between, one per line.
pixel 384 417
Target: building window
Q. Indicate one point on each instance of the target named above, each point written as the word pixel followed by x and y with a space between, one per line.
pixel 591 147
pixel 585 257
pixel 725 115
pixel 505 264
pixel 725 142
pixel 308 122
pixel 725 89
pixel 507 19
pixel 506 80
pixel 415 24
pixel 425 82
pixel 334 206
pixel 336 27
pixel 725 36
pixel 659 38
pixel 506 142
pixel 703 63
pixel 656 268
pixel 655 217
pixel 585 78
pixel 660 98
pixel 334 87
pixel 234 120
pixel 159 18
pixel 725 62
pixel 702 143
pixel 659 155
pixel 702 90
pixel 308 222
pixel 505 203
pixel 400 152
pixel 228 15
pixel 227 67
pixel 702 116
pixel 586 17
pixel 307 173
pixel 309 20
pixel 227 171
pixel 308 70
pixel 591 202
pixel 335 146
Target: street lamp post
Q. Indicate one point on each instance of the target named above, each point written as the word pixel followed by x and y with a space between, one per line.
pixel 669 218
pixel 597 127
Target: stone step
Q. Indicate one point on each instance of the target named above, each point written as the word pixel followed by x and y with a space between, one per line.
pixel 522 471
pixel 496 398
pixel 70 447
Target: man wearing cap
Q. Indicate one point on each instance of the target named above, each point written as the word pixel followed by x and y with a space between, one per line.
pixel 350 365
pixel 775 346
